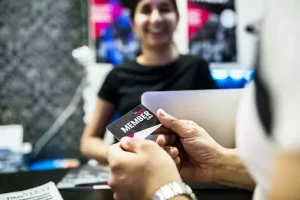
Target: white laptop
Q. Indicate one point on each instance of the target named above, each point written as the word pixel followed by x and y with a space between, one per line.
pixel 213 110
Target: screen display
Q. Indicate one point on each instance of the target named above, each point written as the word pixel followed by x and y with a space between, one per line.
pixel 212 30
pixel 111 30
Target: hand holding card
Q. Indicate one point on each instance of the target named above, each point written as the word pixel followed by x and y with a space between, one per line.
pixel 140 122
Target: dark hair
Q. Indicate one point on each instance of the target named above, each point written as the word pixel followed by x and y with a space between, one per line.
pixel 132 4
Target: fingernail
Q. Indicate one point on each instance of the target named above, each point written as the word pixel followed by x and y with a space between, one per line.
pixel 162 113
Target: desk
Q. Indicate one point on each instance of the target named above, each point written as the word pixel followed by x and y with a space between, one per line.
pixel 25 180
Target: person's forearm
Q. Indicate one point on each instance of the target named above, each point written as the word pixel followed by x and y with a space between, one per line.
pixel 231 171
pixel 95 148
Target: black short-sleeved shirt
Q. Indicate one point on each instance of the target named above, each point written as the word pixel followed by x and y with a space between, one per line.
pixel 125 84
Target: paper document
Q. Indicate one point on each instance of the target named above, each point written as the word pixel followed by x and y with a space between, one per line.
pixel 47 191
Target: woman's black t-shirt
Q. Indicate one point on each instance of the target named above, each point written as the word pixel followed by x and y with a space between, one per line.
pixel 126 83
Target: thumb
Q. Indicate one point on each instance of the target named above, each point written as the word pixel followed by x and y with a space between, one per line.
pixel 171 122
pixel 130 144
pixel 114 152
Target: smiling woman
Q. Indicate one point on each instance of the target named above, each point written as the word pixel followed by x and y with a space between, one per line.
pixel 154 22
pixel 155 17
pixel 159 67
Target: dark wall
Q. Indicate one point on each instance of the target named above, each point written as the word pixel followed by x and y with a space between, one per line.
pixel 38 76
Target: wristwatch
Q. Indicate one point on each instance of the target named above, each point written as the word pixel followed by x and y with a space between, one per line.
pixel 172 190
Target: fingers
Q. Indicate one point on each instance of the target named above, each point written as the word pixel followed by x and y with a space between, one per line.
pixel 162 130
pixel 114 151
pixel 170 122
pixel 116 156
pixel 172 151
pixel 130 144
pixel 115 196
pixel 177 161
pixel 134 145
pixel 164 140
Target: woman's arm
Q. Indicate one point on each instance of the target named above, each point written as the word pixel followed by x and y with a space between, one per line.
pixel 92 145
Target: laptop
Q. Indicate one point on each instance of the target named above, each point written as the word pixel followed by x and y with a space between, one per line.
pixel 214 110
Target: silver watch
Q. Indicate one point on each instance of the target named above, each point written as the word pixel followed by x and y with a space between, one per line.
pixel 174 189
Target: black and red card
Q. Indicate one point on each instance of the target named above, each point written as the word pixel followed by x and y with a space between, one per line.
pixel 140 122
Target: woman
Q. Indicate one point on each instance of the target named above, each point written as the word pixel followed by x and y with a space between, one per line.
pixel 268 154
pixel 159 67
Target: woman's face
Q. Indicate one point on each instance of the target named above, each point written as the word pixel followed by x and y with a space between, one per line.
pixel 155 22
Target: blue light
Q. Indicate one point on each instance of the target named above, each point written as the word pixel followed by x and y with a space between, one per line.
pixel 249 74
pixel 237 74
pixel 232 78
pixel 219 74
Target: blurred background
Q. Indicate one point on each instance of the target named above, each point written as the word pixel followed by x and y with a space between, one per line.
pixel 54 56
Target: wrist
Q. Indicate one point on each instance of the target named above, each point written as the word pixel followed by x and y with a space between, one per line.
pixel 161 180
pixel 223 166
pixel 232 172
